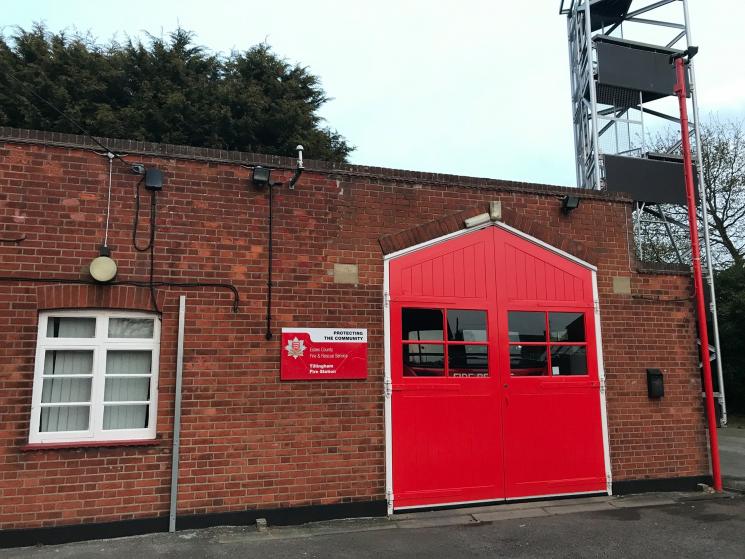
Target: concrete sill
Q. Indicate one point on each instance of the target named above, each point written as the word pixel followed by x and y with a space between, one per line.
pixel 87 444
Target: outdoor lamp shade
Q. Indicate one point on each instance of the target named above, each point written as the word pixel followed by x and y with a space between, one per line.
pixel 103 269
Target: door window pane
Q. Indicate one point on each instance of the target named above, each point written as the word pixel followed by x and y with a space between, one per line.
pixel 466 326
pixel 63 362
pixel 424 360
pixel 128 362
pixel 421 324
pixel 71 327
pixel 125 417
pixel 567 326
pixel 131 327
pixel 468 360
pixel 528 360
pixel 568 360
pixel 64 418
pixel 61 389
pixel 527 326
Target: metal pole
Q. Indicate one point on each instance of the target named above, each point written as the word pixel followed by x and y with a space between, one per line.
pixel 593 99
pixel 680 91
pixel 705 219
pixel 177 414
pixel 571 38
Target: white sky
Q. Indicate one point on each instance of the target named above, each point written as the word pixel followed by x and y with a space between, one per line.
pixel 470 87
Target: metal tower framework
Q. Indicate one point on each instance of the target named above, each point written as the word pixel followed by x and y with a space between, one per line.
pixel 618 120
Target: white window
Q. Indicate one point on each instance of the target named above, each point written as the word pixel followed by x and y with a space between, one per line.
pixel 96 377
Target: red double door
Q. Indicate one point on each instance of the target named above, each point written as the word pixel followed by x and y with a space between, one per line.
pixel 495 390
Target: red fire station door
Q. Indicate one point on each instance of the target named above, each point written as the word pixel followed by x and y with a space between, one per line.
pixel 495 390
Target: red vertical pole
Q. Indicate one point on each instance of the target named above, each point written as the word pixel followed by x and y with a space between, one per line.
pixel 680 91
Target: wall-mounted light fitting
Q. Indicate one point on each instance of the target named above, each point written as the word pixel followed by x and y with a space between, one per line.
pixel 103 268
pixel 569 203
pixel 260 176
pixel 477 220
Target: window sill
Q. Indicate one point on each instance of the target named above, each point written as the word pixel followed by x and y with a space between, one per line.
pixel 87 444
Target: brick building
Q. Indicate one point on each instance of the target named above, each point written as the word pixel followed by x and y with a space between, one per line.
pixel 88 371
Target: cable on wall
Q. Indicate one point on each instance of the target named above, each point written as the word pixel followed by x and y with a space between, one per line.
pixel 268 335
pixel 151 240
pixel 185 284
pixel 15 240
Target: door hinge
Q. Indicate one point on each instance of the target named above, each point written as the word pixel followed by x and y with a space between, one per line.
pixel 387 388
pixel 602 386
pixel 386 299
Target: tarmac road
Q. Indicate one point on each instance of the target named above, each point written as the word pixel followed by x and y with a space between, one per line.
pixel 692 526
pixel 732 455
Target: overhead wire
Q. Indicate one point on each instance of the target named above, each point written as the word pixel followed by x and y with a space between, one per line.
pixel 64 115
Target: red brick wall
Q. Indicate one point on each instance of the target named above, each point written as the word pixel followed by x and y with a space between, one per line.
pixel 249 441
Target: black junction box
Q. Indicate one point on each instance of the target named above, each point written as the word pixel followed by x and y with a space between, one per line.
pixel 655 383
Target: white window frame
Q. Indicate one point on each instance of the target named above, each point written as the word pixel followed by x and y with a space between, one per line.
pixel 99 344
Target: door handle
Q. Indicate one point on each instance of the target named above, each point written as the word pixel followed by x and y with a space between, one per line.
pixel 506 385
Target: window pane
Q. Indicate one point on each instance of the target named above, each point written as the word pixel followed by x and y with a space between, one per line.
pixel 568 360
pixel 467 326
pixel 424 360
pixel 56 390
pixel 63 362
pixel 527 326
pixel 125 417
pixel 468 360
pixel 131 327
pixel 71 327
pixel 421 324
pixel 567 326
pixel 528 360
pixel 64 418
pixel 127 389
pixel 128 362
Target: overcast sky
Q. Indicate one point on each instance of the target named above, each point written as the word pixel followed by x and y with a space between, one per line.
pixel 476 88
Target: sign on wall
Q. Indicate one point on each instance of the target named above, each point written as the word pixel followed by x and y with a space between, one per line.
pixel 323 353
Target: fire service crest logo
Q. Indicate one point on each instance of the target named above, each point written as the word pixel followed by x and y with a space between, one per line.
pixel 295 347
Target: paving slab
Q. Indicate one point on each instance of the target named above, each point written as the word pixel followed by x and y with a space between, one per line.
pixel 429 522
pixel 575 501
pixel 570 509
pixel 642 501
pixel 509 514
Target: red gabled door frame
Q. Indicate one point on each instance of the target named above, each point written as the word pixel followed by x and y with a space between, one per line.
pixel 592 315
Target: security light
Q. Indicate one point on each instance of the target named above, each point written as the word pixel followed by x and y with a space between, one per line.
pixel 569 203
pixel 477 220
pixel 260 176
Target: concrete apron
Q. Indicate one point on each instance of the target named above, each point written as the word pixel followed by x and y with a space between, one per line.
pixel 472 516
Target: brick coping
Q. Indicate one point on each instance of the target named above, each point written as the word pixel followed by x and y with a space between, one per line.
pixel 74 141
